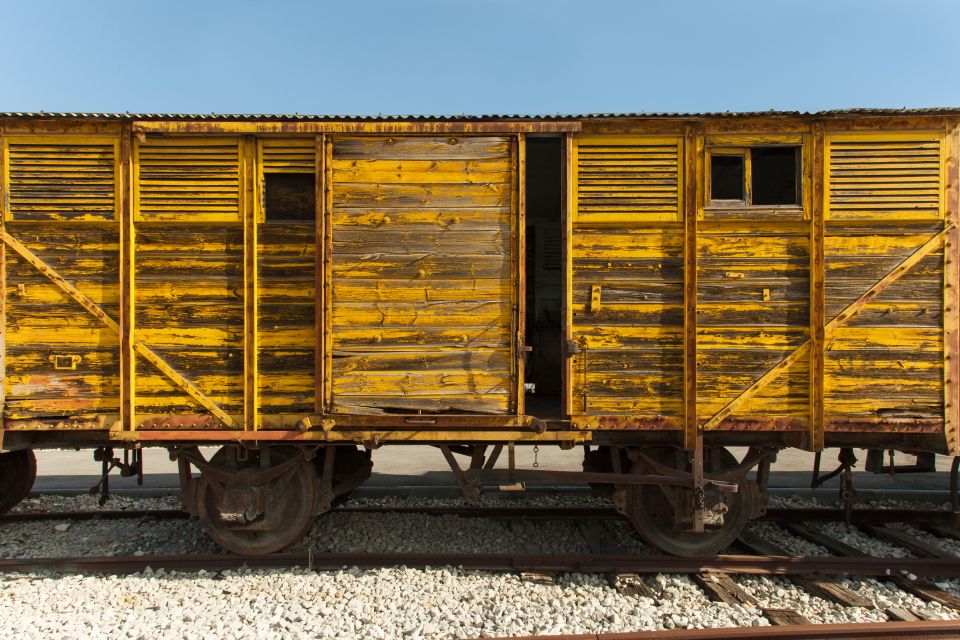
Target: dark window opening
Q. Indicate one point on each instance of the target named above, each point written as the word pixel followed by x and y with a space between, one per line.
pixel 290 197
pixel 544 275
pixel 775 175
pixel 727 177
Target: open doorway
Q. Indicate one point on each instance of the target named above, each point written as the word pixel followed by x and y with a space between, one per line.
pixel 544 275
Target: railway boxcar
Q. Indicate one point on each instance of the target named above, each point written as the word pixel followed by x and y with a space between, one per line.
pixel 299 290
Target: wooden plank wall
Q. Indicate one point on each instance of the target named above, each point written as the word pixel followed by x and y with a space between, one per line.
pixel 189 270
pixel 287 326
pixel 421 302
pixel 62 205
pixel 626 298
pixel 883 201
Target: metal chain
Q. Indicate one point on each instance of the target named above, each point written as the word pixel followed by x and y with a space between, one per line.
pixel 536 450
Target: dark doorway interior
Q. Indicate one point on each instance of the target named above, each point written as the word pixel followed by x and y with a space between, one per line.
pixel 544 274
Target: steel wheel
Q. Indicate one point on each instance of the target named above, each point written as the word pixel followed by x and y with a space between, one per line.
pixel 284 508
pixel 18 470
pixel 652 509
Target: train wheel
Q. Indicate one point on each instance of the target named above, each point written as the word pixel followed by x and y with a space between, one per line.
pixel 18 470
pixel 259 504
pixel 661 514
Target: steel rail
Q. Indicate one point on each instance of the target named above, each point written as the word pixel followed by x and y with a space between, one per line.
pixel 785 514
pixel 596 563
pixel 915 630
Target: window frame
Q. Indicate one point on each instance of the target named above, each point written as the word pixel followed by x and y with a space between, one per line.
pixel 745 151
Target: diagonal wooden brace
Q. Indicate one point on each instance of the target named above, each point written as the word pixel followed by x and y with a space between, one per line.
pixel 842 318
pixel 96 311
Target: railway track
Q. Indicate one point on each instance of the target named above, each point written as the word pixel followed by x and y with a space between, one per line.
pixel 784 514
pixel 914 629
pixel 819 576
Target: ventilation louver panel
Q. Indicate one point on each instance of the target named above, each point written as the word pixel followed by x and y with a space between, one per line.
pixel 551 248
pixel 61 179
pixel 885 179
pixel 628 179
pixel 288 155
pixel 189 179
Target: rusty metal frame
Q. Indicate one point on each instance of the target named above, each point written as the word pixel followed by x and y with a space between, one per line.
pixel 366 437
pixel 320 344
pixel 951 292
pixel 315 127
pixel 4 198
pixel 568 206
pixel 249 213
pixel 326 253
pixel 817 287
pixel 519 264
pixel 96 311
pixel 935 242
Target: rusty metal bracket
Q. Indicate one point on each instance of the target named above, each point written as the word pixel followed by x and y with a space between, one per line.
pixel 847 460
pixel 325 493
pixel 97 312
pixel 247 477
pixel 470 486
pixel 131 465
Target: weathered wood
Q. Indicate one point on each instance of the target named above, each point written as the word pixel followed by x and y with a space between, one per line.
pixel 817 301
pixel 691 201
pixel 902 539
pixel 633 585
pixel 424 256
pixel 721 588
pixel 784 617
pixel 832 591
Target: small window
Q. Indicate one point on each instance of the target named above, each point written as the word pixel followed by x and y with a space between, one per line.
pixel 290 197
pixel 775 179
pixel 727 177
pixel 760 176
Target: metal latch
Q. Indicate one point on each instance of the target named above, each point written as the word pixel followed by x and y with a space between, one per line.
pixel 65 362
pixel 573 347
pixel 595 290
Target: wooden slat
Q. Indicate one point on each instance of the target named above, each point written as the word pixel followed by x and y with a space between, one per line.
pixel 319 276
pixel 75 179
pixel 951 295
pixel 127 356
pixel 721 588
pixel 691 426
pixel 193 179
pixel 251 299
pixel 784 617
pixel 874 178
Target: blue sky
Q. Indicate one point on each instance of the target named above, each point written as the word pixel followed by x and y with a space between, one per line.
pixel 465 56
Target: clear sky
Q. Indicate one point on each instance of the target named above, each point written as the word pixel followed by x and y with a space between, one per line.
pixel 472 56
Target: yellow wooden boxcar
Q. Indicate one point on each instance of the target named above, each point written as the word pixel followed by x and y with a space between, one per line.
pixel 655 287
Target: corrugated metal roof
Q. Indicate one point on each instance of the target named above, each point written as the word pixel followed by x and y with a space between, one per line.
pixel 467 117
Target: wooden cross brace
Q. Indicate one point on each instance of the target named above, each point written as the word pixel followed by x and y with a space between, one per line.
pixel 842 318
pixel 96 311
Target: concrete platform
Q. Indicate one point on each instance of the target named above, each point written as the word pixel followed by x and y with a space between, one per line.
pixel 424 466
